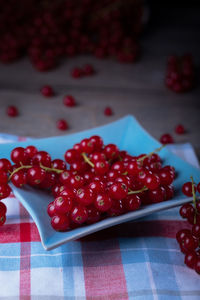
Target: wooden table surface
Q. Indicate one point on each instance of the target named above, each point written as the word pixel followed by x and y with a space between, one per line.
pixel 136 89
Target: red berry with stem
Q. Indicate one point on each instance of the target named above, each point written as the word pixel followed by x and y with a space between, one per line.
pixel 47 91
pixel 69 101
pixel 166 177
pixel 51 209
pixel 190 259
pixel 166 139
pixel 108 111
pixel 62 124
pixel 63 204
pixel 31 151
pixel 189 243
pixel 180 129
pixel 5 164
pixel 3 177
pixel 19 178
pixel 42 158
pixel 65 176
pixel 118 191
pixel 187 189
pixel 12 111
pixel 85 196
pixel 79 166
pixel 3 209
pixel 19 156
pixel 101 167
pixel 49 180
pixel 60 222
pixel 76 181
pixel 97 156
pixel 134 168
pixel 103 202
pixel 35 175
pixel 66 191
pixel 79 214
pixel 185 210
pixel 5 191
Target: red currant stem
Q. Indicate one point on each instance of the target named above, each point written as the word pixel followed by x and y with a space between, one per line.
pixel 58 171
pixel 18 169
pixel 194 199
pixel 138 191
pixel 87 160
pixel 151 153
pixel 120 158
pixel 125 173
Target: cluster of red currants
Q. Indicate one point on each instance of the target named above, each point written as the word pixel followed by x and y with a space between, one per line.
pixel 180 73
pixel 47 31
pixel 97 181
pixel 189 239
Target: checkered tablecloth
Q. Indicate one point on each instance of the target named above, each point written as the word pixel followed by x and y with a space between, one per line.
pixel 137 260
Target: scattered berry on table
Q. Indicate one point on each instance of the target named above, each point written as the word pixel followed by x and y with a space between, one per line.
pixel 62 124
pixel 47 91
pixel 180 129
pixel 166 139
pixel 69 101
pixel 12 111
pixel 108 111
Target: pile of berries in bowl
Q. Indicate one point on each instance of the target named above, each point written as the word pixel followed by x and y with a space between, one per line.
pixel 94 182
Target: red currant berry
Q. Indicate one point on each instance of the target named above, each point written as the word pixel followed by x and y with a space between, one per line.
pixel 132 202
pixel 3 177
pixel 31 151
pixel 58 164
pixel 197 265
pixel 47 91
pixel 190 259
pixel 66 191
pixel 76 73
pixel 196 231
pixel 97 156
pixel 134 167
pixel 108 111
pixel 60 222
pixel 12 111
pixel 3 209
pixel 118 166
pixel 101 167
pixel 51 209
pixel 111 151
pixel 76 181
pixel 166 139
pixel 97 186
pixel 65 177
pixel 87 146
pixel 5 191
pixel 88 70
pixel 166 177
pixel 103 202
pixel 185 210
pixel 152 181
pixel 5 164
pixel 35 175
pixel 79 166
pixel 118 191
pixel 63 204
pixel 77 147
pixel 79 214
pixel 19 178
pixel 42 158
pixel 62 124
pixel 157 195
pixel 93 215
pixel 116 209
pixel 69 101
pixel 181 234
pixel 2 220
pixel 85 196
pixel 187 189
pixel 97 142
pixel 179 129
pixel 189 243
pixel 71 156
pixel 19 156
pixel 56 190
pixel 49 180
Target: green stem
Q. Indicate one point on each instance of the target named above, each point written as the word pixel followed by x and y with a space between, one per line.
pixel 151 153
pixel 138 191
pixel 58 171
pixel 18 169
pixel 87 160
pixel 194 200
